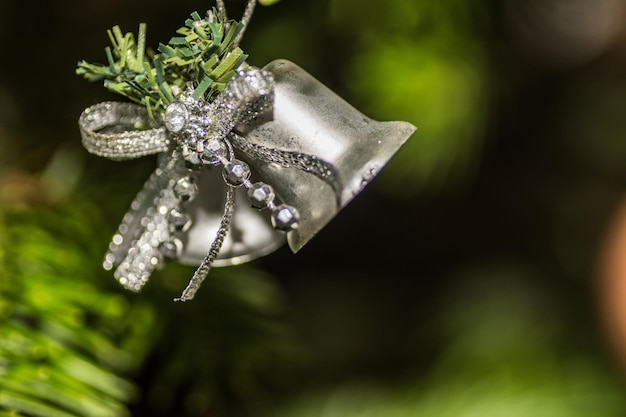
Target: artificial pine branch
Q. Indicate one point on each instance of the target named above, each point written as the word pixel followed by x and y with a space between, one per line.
pixel 203 55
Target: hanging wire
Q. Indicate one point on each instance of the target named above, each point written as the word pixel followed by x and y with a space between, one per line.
pixel 247 15
pixel 204 268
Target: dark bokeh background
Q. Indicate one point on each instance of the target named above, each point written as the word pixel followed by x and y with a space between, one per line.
pixel 469 279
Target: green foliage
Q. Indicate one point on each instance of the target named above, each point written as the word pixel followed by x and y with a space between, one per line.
pixel 442 93
pixel 71 340
pixel 505 350
pixel 203 57
pixel 423 62
pixel 65 344
pixel 232 344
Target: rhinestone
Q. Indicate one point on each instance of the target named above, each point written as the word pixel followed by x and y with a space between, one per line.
pixel 260 195
pixel 213 152
pixel 236 172
pixel 179 219
pixel 185 189
pixel 285 218
pixel 176 116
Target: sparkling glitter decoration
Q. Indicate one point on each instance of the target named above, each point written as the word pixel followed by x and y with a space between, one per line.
pixel 136 248
pixel 128 144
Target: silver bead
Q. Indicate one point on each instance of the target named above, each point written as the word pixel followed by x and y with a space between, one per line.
pixel 236 172
pixel 176 117
pixel 179 220
pixel 213 152
pixel 185 189
pixel 260 195
pixel 285 218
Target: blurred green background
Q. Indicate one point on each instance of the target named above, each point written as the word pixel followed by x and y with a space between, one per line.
pixel 463 282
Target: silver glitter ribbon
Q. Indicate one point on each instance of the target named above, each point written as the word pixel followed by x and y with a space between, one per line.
pixel 121 131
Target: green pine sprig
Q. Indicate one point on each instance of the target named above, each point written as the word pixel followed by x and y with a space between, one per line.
pixel 202 57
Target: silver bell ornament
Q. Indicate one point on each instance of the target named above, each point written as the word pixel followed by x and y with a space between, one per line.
pixel 247 156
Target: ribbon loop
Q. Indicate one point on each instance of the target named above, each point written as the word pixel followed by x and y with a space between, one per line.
pixel 121 131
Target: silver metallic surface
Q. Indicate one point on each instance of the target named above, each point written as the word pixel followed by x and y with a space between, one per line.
pixel 310 118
